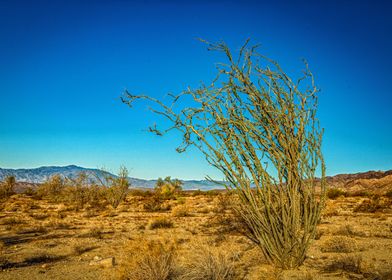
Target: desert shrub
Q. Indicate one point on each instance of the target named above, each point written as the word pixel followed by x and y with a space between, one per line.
pixel 78 196
pixel 160 223
pixel 29 191
pixel 180 211
pixel 223 202
pixel 52 189
pixel 259 128
pixel 155 203
pixel 81 192
pixel 330 210
pixel 40 216
pixel 347 263
pixel 348 230
pixel 197 193
pixel 388 194
pixel 168 188
pixel 7 187
pixel 118 188
pixel 12 221
pixel 339 244
pixel 212 193
pixel 96 197
pixel 36 229
pixel 334 193
pixel 94 232
pixel 209 263
pixel 140 193
pixel 372 205
pixel 151 261
pixel 361 193
pixel 180 200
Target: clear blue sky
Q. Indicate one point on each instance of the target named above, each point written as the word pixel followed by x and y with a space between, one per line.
pixel 64 64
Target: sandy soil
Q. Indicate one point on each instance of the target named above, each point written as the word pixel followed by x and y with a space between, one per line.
pixel 45 240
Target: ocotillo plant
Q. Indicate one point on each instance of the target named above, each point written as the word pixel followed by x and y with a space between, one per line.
pixel 259 128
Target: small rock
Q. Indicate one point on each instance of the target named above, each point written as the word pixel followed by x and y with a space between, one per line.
pixel 97 258
pixel 107 262
pixel 44 265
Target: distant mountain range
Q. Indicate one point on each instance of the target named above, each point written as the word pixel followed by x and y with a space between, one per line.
pixel 374 181
pixel 41 174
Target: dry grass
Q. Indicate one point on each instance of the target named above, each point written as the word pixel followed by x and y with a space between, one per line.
pixel 373 205
pixel 347 263
pixel 334 193
pixel 208 263
pixel 339 244
pixel 150 261
pixel 160 223
pixel 181 211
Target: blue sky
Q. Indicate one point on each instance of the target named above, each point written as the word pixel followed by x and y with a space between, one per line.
pixel 64 65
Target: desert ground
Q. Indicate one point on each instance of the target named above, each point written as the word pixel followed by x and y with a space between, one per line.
pixel 42 239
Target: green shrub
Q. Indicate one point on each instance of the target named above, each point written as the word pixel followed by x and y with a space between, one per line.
pixel 334 193
pixel 167 187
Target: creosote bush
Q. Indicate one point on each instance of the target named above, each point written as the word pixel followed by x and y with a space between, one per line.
pixel 167 188
pixel 334 193
pixel 52 189
pixel 258 126
pixel 118 188
pixel 7 187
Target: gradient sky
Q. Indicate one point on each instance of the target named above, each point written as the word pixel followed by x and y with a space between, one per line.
pixel 64 65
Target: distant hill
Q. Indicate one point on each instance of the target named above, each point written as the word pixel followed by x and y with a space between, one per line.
pixel 370 181
pixel 373 181
pixel 41 174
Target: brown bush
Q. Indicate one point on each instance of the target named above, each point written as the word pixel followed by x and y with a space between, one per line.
pixel 373 204
pixel 208 263
pixel 155 203
pixel 180 211
pixel 339 244
pixel 7 187
pixel 151 261
pixel 160 223
pixel 388 194
pixel 348 263
pixel 334 193
pixel 52 189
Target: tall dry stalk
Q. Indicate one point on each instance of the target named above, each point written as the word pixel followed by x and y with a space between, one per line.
pixel 259 128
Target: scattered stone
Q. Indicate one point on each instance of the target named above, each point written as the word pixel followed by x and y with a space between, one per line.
pixel 97 258
pixel 107 262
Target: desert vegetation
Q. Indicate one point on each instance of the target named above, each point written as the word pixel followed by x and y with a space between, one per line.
pixel 259 128
pixel 193 235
